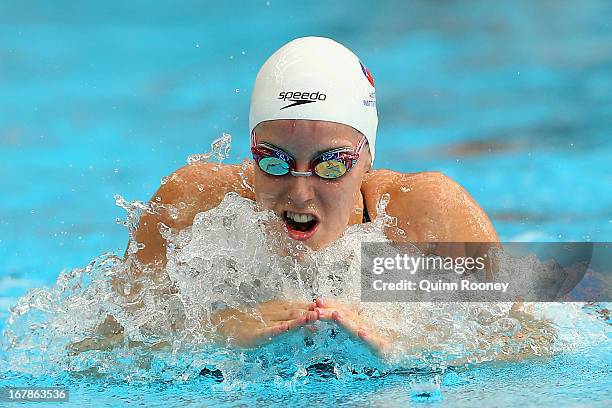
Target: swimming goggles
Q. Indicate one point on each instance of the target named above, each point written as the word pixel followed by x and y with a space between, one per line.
pixel 328 165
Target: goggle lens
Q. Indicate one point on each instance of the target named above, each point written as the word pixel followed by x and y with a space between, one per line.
pixel 274 166
pixel 330 169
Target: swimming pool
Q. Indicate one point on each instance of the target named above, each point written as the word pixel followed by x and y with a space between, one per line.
pixel 513 102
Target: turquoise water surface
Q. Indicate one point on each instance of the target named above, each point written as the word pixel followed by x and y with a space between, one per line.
pixel 513 100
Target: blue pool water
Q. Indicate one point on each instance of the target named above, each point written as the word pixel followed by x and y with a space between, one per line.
pixel 513 100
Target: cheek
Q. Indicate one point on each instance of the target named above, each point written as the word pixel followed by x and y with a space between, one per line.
pixel 268 190
pixel 340 199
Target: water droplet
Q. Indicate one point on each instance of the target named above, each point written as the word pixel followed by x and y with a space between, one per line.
pixel 220 150
pixel 164 180
pixel 237 90
pixel 425 392
pixel 173 212
pixel 382 203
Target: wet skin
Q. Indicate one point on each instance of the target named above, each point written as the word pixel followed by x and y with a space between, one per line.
pixel 429 207
pixel 334 203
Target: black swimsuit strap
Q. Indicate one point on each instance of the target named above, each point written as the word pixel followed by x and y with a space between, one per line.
pixel 366 216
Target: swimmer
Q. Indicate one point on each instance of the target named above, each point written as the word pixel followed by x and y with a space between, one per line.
pixel 313 122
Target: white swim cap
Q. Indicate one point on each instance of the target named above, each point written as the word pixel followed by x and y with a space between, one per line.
pixel 316 78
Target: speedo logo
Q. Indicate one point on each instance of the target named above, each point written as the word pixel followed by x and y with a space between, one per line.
pixel 301 98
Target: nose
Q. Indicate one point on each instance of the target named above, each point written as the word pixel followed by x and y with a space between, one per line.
pixel 300 190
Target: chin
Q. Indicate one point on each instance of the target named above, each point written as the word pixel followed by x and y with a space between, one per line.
pixel 317 245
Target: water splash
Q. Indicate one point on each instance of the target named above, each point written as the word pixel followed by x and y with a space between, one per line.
pixel 225 260
pixel 426 391
pixel 236 256
pixel 220 149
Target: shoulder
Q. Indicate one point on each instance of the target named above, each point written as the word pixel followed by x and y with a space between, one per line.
pixel 201 186
pixel 192 174
pixel 186 192
pixel 429 206
pixel 389 181
pixel 414 191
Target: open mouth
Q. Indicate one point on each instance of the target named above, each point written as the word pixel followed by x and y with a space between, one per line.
pixel 300 226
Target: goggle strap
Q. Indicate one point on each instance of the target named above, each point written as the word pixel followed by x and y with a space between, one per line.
pixel 360 145
pixel 357 150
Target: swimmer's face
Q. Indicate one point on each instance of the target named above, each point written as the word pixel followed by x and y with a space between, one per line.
pixel 332 203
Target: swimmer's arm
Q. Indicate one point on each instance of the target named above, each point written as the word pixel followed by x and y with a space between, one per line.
pixel 431 207
pixel 191 189
pixel 109 335
pixel 232 327
pixel 534 336
pixel 188 191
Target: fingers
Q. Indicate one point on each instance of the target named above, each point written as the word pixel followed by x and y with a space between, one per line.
pixel 277 310
pixel 277 304
pixel 310 317
pixel 285 326
pixel 284 315
pixel 376 342
pixel 370 335
pixel 346 320
pixel 272 319
pixel 326 307
pixel 349 319
pixel 273 330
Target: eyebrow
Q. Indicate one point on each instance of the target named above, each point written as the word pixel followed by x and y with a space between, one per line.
pixel 317 153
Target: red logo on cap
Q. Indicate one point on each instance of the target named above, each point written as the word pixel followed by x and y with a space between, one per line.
pixel 367 73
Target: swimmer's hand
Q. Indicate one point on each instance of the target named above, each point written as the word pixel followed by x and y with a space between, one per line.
pixel 109 335
pixel 271 318
pixel 351 319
